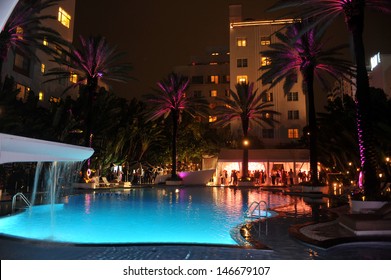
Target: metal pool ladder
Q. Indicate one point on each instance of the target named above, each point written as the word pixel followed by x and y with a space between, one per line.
pixel 256 205
pixel 23 198
pixel 251 211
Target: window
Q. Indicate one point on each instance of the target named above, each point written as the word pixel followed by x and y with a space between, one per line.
pixel 19 31
pixel 265 41
pixel 23 91
pixel 213 93
pixel 212 119
pixel 241 62
pixel 226 79
pixel 265 61
pixel 293 133
pixel 53 99
pixel 63 17
pixel 41 96
pixel 241 42
pixel 197 80
pixel 293 96
pixel 43 67
pixel 73 78
pixel 267 97
pixel 242 79
pixel 267 116
pixel 213 79
pixel 293 115
pixel 21 64
pixel 197 93
pixel 268 133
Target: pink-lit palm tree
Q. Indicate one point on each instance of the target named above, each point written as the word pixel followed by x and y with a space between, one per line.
pixel 299 52
pixel 250 108
pixel 171 99
pixel 353 11
pixel 24 30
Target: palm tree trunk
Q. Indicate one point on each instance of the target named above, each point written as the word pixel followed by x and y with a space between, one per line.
pixel 175 117
pixel 309 79
pixel 245 125
pixel 368 158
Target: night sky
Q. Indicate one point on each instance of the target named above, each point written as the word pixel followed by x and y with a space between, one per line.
pixel 157 35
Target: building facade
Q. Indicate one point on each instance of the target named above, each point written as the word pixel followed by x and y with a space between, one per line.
pixel 28 73
pixel 247 40
pixel 209 75
pixel 380 74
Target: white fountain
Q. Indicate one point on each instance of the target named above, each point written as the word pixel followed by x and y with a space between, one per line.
pixel 22 149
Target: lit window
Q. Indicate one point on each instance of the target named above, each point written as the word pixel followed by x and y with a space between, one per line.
pixel 43 66
pixel 213 79
pixel 241 62
pixel 242 79
pixel 73 78
pixel 265 61
pixel 45 42
pixel 293 133
pixel 241 42
pixel 23 91
pixel 265 41
pixel 64 17
pixel 293 115
pixel 41 96
pixel 213 93
pixel 293 96
pixel 212 119
pixel 54 99
pixel 19 31
pixel 267 97
pixel 215 53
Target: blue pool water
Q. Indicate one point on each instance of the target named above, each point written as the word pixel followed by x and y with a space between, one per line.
pixel 205 215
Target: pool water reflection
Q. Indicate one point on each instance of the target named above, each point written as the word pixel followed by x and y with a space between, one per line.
pixel 194 215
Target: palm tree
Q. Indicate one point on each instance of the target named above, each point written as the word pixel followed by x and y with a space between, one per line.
pixel 250 108
pixel 24 31
pixel 353 11
pixel 93 62
pixel 171 99
pixel 302 52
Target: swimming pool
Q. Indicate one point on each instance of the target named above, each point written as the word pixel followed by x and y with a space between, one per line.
pixel 196 215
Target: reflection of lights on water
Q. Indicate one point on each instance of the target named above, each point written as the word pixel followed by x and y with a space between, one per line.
pixel 87 204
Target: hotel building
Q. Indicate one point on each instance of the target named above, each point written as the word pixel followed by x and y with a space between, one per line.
pixel 28 73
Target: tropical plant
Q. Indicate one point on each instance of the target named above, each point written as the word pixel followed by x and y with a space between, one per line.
pixel 171 99
pixel 24 31
pixel 249 107
pixel 353 10
pixel 302 52
pixel 94 61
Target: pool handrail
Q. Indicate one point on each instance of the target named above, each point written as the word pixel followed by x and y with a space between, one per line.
pixel 24 199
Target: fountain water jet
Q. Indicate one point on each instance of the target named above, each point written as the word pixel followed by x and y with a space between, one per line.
pixel 22 149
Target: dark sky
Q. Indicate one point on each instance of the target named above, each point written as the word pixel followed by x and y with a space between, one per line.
pixel 157 35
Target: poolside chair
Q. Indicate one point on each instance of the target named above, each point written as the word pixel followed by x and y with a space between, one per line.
pixel 376 223
pixel 105 182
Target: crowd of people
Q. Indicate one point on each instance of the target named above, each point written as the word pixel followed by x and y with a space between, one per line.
pixel 278 177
